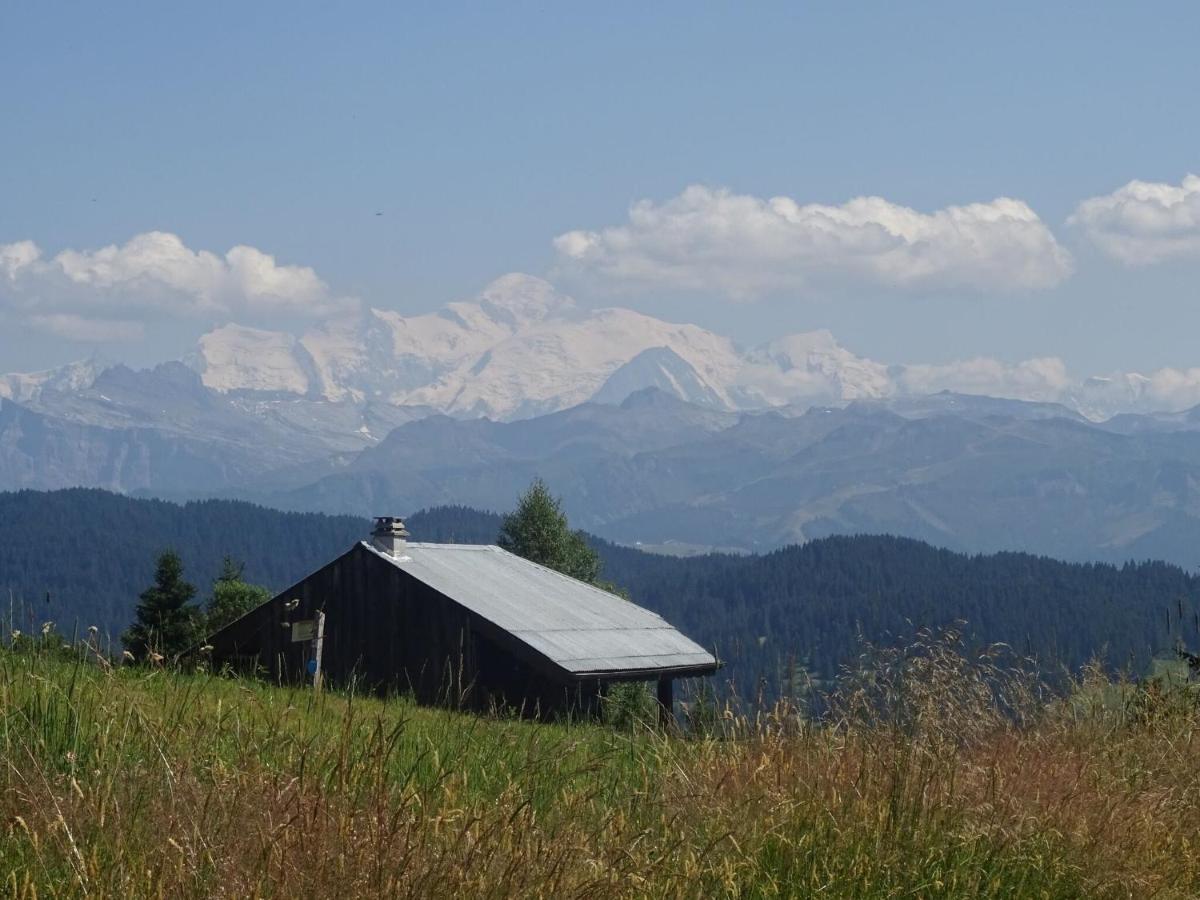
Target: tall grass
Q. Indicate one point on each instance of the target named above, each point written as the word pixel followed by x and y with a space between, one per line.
pixel 932 774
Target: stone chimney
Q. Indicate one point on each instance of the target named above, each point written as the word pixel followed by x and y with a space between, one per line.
pixel 389 535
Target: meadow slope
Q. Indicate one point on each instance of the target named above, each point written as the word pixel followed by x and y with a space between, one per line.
pixel 935 775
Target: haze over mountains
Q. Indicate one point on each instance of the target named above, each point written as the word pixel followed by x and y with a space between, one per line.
pixel 652 431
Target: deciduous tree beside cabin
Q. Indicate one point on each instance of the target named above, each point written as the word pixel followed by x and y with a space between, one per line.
pixel 538 531
pixel 232 596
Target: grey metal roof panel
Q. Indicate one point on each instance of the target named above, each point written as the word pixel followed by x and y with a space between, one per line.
pixel 579 627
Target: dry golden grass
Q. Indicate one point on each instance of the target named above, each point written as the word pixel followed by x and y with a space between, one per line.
pixel 932 774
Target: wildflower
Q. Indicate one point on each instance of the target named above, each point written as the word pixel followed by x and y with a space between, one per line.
pixel 47 627
pixel 92 629
pixel 16 633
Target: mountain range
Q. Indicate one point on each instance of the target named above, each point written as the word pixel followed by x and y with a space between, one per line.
pixel 653 432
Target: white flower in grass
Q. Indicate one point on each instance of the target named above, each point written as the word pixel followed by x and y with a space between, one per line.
pixel 16 633
pixel 47 627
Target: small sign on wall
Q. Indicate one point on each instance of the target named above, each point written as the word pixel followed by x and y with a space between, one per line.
pixel 304 630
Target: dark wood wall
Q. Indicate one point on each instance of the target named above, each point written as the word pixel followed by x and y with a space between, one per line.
pixel 385 631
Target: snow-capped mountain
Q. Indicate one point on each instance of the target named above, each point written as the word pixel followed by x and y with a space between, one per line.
pixel 522 349
pixel 664 370
pixel 24 387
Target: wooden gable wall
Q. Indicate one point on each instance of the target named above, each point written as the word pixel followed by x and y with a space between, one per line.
pixel 385 631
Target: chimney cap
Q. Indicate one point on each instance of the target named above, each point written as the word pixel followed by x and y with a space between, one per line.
pixel 389 527
pixel 389 535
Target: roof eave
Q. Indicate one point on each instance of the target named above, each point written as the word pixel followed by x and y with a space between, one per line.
pixel 648 674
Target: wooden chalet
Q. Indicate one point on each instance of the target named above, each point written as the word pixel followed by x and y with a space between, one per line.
pixel 462 624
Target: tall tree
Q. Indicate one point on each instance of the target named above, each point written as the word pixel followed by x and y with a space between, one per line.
pixel 232 596
pixel 537 530
pixel 167 622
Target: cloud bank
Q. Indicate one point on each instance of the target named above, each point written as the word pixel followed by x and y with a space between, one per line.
pixel 107 294
pixel 1044 379
pixel 1144 222
pixel 742 246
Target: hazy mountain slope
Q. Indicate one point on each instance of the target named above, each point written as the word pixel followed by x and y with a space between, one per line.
pixel 439 460
pixel 1052 486
pixel 988 477
pixel 162 429
pixel 37 450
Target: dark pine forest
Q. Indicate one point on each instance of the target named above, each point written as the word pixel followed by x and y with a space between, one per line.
pixel 80 558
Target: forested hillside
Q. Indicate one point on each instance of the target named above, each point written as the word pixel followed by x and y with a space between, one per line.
pixel 808 607
pixel 92 551
pixel 771 617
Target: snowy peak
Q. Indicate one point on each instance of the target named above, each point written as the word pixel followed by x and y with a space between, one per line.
pixel 23 387
pixel 520 349
pixel 660 369
pixel 517 300
pixel 404 359
pixel 810 368
pixel 236 358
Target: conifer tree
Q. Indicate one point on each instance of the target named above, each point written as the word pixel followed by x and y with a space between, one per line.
pixel 232 596
pixel 537 530
pixel 167 622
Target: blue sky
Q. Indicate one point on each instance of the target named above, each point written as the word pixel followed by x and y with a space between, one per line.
pixel 482 134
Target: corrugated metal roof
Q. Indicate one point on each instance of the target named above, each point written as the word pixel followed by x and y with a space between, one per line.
pixel 581 628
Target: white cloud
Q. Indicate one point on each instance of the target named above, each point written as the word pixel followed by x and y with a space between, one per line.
pixel 744 246
pixel 1047 380
pixel 1043 379
pixel 1165 390
pixel 1144 222
pixel 101 294
pixel 15 257
pixel 93 331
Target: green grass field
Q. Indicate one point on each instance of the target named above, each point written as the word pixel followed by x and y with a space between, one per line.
pixel 935 776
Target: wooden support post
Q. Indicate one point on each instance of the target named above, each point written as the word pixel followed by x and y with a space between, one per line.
pixel 318 646
pixel 666 702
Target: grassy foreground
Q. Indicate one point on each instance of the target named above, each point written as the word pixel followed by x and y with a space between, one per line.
pixel 934 776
